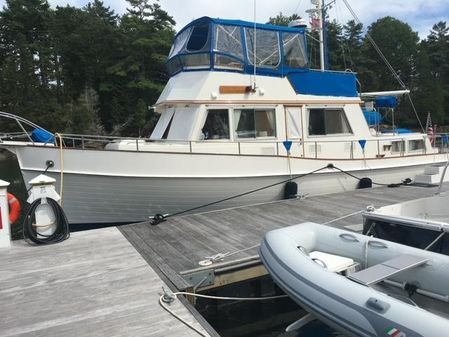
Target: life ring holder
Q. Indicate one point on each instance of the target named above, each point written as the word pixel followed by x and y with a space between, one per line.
pixel 15 208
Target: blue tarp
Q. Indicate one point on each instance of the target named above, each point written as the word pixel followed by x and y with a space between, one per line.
pixel 42 136
pixel 386 102
pixel 373 117
pixel 324 83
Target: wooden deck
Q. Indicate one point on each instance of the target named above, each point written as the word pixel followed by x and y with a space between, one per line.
pixel 94 284
pixel 175 247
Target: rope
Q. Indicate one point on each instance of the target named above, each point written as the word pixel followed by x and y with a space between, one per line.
pixel 168 298
pixel 158 218
pixel 342 217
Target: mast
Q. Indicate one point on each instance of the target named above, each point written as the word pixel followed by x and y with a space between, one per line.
pixel 320 6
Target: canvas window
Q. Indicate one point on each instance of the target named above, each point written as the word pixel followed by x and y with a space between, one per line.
pixel 267 47
pixel 294 50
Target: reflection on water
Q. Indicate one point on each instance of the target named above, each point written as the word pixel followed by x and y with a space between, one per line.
pixel 257 318
pixel 10 172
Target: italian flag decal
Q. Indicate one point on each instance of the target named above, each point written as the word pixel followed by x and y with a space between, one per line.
pixel 395 333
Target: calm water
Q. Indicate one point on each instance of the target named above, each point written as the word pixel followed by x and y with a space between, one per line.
pixel 229 318
pixel 257 319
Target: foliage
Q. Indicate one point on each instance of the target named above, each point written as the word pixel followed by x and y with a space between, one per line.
pixel 90 70
pixel 75 70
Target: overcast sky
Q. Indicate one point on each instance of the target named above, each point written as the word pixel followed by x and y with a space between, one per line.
pixel 421 15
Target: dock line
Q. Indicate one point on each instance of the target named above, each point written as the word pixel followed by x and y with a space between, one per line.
pixel 168 297
pixel 158 218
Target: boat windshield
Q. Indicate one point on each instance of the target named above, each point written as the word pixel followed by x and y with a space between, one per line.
pixel 228 45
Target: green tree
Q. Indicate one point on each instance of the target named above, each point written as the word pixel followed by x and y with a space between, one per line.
pixel 283 20
pixel 399 44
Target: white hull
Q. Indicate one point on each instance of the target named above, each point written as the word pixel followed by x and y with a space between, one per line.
pixel 125 186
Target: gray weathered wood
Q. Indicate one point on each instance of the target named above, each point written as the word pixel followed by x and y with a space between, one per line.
pixel 181 242
pixel 94 284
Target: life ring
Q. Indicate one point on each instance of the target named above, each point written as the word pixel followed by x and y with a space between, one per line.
pixel 15 208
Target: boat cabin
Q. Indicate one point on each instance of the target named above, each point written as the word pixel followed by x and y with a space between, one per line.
pixel 227 98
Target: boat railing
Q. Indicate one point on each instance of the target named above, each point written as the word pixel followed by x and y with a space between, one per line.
pixel 320 149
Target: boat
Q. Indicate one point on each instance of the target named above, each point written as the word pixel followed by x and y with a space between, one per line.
pixel 421 223
pixel 231 121
pixel 359 285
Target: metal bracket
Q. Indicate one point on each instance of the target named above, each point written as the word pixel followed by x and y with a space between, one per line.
pixel 201 278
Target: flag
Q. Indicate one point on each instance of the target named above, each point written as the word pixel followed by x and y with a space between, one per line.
pixel 316 23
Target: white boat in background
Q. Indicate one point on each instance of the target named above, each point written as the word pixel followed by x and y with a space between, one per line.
pixel 359 285
pixel 421 223
pixel 228 126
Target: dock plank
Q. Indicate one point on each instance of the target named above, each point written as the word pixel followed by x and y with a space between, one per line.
pixel 94 284
pixel 181 242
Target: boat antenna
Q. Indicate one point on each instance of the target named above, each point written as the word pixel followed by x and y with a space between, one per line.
pixel 253 85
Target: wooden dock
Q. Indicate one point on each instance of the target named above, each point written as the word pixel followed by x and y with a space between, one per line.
pixel 175 247
pixel 97 284
pixel 94 284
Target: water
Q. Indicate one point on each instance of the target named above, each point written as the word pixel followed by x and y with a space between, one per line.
pixel 257 318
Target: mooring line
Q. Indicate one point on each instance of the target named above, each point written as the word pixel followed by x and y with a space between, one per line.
pixel 169 297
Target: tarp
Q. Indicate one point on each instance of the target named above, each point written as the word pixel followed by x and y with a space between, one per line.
pixel 324 83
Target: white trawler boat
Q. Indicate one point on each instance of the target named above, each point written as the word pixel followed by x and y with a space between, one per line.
pixel 224 129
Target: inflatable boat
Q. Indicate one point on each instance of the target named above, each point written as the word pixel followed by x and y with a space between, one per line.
pixel 359 285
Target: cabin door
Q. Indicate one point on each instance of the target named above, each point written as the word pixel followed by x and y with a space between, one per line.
pixel 293 127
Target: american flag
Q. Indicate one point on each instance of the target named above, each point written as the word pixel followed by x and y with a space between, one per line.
pixel 431 130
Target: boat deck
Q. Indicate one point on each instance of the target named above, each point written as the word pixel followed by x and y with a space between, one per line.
pixel 175 247
pixel 94 284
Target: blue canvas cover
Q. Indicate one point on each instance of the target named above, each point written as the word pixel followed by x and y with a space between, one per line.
pixel 42 136
pixel 324 83
pixel 386 101
pixel 373 117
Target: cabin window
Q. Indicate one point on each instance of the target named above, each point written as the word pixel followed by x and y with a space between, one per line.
pixel 199 38
pixel 294 50
pixel 267 47
pixel 416 145
pixel 229 42
pixel 398 146
pixel 216 125
pixel 254 123
pixel 328 122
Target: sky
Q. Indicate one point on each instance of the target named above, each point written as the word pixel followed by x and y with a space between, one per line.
pixel 421 15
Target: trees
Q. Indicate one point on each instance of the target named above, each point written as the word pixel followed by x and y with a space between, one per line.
pixel 79 69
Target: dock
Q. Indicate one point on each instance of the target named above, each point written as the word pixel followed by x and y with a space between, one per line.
pixel 93 284
pixel 108 282
pixel 177 246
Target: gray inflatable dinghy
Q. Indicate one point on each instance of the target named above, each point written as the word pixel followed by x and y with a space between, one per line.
pixel 360 285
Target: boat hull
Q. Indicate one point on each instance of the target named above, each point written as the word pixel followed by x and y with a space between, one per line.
pixel 128 186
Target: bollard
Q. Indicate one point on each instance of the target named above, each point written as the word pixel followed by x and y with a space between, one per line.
pixel 5 228
pixel 43 187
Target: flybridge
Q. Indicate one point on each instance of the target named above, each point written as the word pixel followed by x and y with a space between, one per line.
pixel 208 44
pixel 228 45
